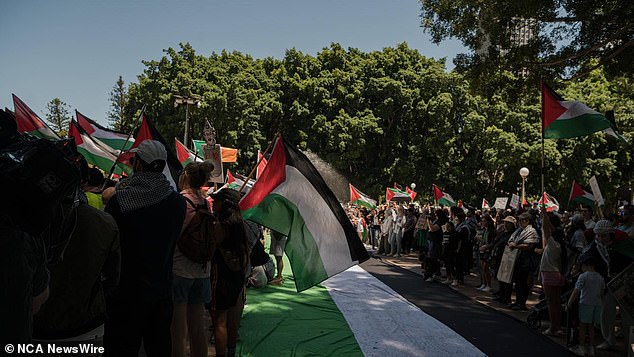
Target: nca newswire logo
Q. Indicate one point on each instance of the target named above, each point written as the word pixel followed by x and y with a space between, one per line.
pixel 50 348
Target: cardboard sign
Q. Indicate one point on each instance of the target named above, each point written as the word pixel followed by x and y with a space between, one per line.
pixel 214 154
pixel 622 286
pixel 507 263
pixel 500 202
pixel 515 201
pixel 594 185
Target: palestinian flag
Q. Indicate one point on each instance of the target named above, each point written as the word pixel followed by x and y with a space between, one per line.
pixel 360 199
pixel 579 195
pixel 114 139
pixel 549 202
pixel 292 198
pixel 261 165
pixel 184 155
pixel 236 181
pixel 95 152
pixel 411 193
pixel 612 130
pixel 393 194
pixel 485 204
pixel 228 154
pixel 568 119
pixel 29 123
pixel 443 198
pixel 147 131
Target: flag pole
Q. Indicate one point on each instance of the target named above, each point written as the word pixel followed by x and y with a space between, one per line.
pixel 541 85
pixel 121 151
pixel 258 162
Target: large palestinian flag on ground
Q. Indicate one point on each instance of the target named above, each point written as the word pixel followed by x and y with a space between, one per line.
pixel 394 194
pixel 568 119
pixel 114 139
pixel 443 198
pixel 579 195
pixel 360 199
pixel 292 198
pixel 96 152
pixel 29 123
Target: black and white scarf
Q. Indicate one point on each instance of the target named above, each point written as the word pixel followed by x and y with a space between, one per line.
pixel 143 189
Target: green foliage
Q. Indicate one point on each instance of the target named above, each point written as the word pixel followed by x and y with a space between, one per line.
pixel 566 35
pixel 58 116
pixel 388 116
pixel 118 101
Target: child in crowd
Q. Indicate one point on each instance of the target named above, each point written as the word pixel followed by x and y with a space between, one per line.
pixel 590 286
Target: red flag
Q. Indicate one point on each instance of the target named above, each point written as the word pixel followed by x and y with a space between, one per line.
pixel 411 193
pixel 28 122
pixel 261 165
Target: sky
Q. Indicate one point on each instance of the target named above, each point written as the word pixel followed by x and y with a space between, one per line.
pixel 75 50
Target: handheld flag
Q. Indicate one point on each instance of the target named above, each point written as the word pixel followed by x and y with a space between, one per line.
pixel 228 155
pixel 95 152
pixel 114 139
pixel 261 165
pixel 393 194
pixel 485 204
pixel 568 119
pixel 411 193
pixel 549 202
pixel 29 123
pixel 443 198
pixel 184 155
pixel 360 199
pixel 292 198
pixel 580 195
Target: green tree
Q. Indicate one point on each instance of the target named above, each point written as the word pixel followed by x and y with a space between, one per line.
pixel 118 102
pixel 566 35
pixel 58 116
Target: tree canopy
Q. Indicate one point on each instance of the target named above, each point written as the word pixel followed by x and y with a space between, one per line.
pixel 569 38
pixel 387 116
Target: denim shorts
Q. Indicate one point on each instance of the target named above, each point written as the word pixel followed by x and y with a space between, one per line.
pixel 191 291
pixel 589 314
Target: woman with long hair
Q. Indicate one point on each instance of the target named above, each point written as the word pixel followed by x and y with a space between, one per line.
pixel 191 286
pixel 488 235
pixel 552 269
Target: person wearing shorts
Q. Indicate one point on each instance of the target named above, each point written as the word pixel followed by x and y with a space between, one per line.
pixel 278 244
pixel 589 288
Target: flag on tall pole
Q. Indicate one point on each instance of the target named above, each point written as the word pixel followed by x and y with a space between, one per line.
pixel 114 139
pixel 29 123
pixel 293 199
pixel 443 198
pixel 612 130
pixel 568 119
pixel 580 195
pixel 360 199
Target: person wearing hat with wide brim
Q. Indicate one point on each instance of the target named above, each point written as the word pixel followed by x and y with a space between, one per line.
pixel 524 240
pixel 150 215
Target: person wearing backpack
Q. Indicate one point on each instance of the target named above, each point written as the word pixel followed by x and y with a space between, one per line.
pixel 192 256
pixel 228 270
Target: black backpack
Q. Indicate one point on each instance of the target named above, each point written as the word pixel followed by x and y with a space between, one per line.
pixel 197 242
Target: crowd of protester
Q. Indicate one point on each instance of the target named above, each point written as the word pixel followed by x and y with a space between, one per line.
pixel 514 252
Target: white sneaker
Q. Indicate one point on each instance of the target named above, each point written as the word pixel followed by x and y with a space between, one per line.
pixel 481 287
pixel 429 280
pixel 486 289
pixel 577 350
pixel 454 283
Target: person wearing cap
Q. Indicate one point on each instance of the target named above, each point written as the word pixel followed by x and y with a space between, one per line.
pixel 150 217
pixel 576 240
pixel 509 223
pixel 524 240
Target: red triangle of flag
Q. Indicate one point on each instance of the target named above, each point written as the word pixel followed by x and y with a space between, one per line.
pixel 551 106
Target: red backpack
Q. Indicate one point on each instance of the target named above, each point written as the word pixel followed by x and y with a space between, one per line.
pixel 197 242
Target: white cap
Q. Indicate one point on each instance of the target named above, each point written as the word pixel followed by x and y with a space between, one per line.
pixel 150 151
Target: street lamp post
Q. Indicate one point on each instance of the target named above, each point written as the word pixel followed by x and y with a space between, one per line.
pixel 524 173
pixel 413 186
pixel 180 100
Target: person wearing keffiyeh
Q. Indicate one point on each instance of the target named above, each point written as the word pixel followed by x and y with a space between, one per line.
pixel 150 216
